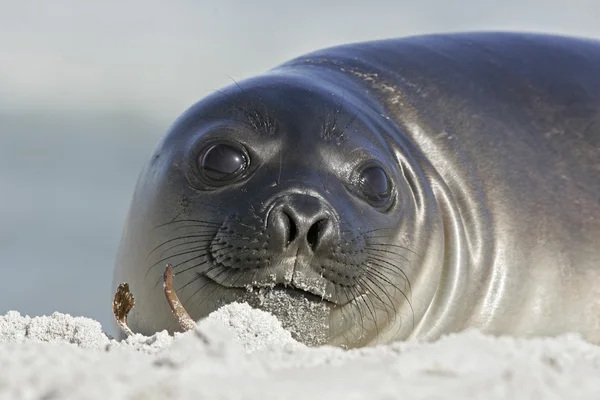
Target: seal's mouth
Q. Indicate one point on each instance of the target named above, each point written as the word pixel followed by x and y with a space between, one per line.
pixel 311 291
pixel 312 296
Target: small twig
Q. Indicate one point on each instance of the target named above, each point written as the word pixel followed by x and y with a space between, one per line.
pixel 184 319
pixel 123 302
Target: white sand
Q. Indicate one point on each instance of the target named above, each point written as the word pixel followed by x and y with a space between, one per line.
pixel 242 353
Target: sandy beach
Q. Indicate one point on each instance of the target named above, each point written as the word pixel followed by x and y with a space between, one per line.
pixel 243 353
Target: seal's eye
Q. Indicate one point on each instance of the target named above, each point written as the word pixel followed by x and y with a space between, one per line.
pixel 374 184
pixel 222 162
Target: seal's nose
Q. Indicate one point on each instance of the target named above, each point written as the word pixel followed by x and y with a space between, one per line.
pixel 298 221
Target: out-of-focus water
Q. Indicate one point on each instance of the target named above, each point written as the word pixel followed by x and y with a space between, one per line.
pixel 65 186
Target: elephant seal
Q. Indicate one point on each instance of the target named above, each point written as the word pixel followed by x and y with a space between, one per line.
pixel 384 191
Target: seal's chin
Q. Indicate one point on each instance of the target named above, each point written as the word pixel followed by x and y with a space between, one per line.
pixel 307 313
pixel 307 316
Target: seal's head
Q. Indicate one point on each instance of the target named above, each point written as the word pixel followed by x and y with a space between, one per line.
pixel 284 192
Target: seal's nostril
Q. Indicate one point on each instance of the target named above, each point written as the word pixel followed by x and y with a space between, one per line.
pixel 292 228
pixel 315 232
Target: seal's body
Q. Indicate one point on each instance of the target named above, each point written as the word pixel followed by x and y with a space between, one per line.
pixel 382 191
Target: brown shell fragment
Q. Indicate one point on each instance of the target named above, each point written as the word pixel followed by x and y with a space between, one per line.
pixel 123 302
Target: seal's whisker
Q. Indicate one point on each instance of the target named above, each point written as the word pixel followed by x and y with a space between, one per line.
pixel 386 265
pixel 202 274
pixel 389 264
pixel 393 268
pixel 391 310
pixel 197 221
pixel 377 262
pixel 371 300
pixel 391 255
pixel 355 305
pixel 376 237
pixel 203 255
pixel 187 269
pixel 362 285
pixel 202 244
pixel 196 250
pixel 382 275
pixel 363 233
pixel 387 245
pixel 386 253
pixel 178 238
pixel 399 251
pixel 165 259
pixel 196 228
pixel 207 283
pixel 192 227
pixel 371 291
pixel 379 287
pixel 195 266
pixel 224 270
pixel 356 294
pixel 198 277
pixel 240 274
pixel 380 280
pixel 374 272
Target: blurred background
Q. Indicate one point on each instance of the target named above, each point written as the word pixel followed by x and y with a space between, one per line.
pixel 87 88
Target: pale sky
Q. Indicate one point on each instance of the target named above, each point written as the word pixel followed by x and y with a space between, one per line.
pixel 158 57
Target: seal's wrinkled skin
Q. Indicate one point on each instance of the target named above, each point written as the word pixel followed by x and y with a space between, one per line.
pixel 382 191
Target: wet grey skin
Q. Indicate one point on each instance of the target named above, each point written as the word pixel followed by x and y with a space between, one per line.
pixel 383 191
